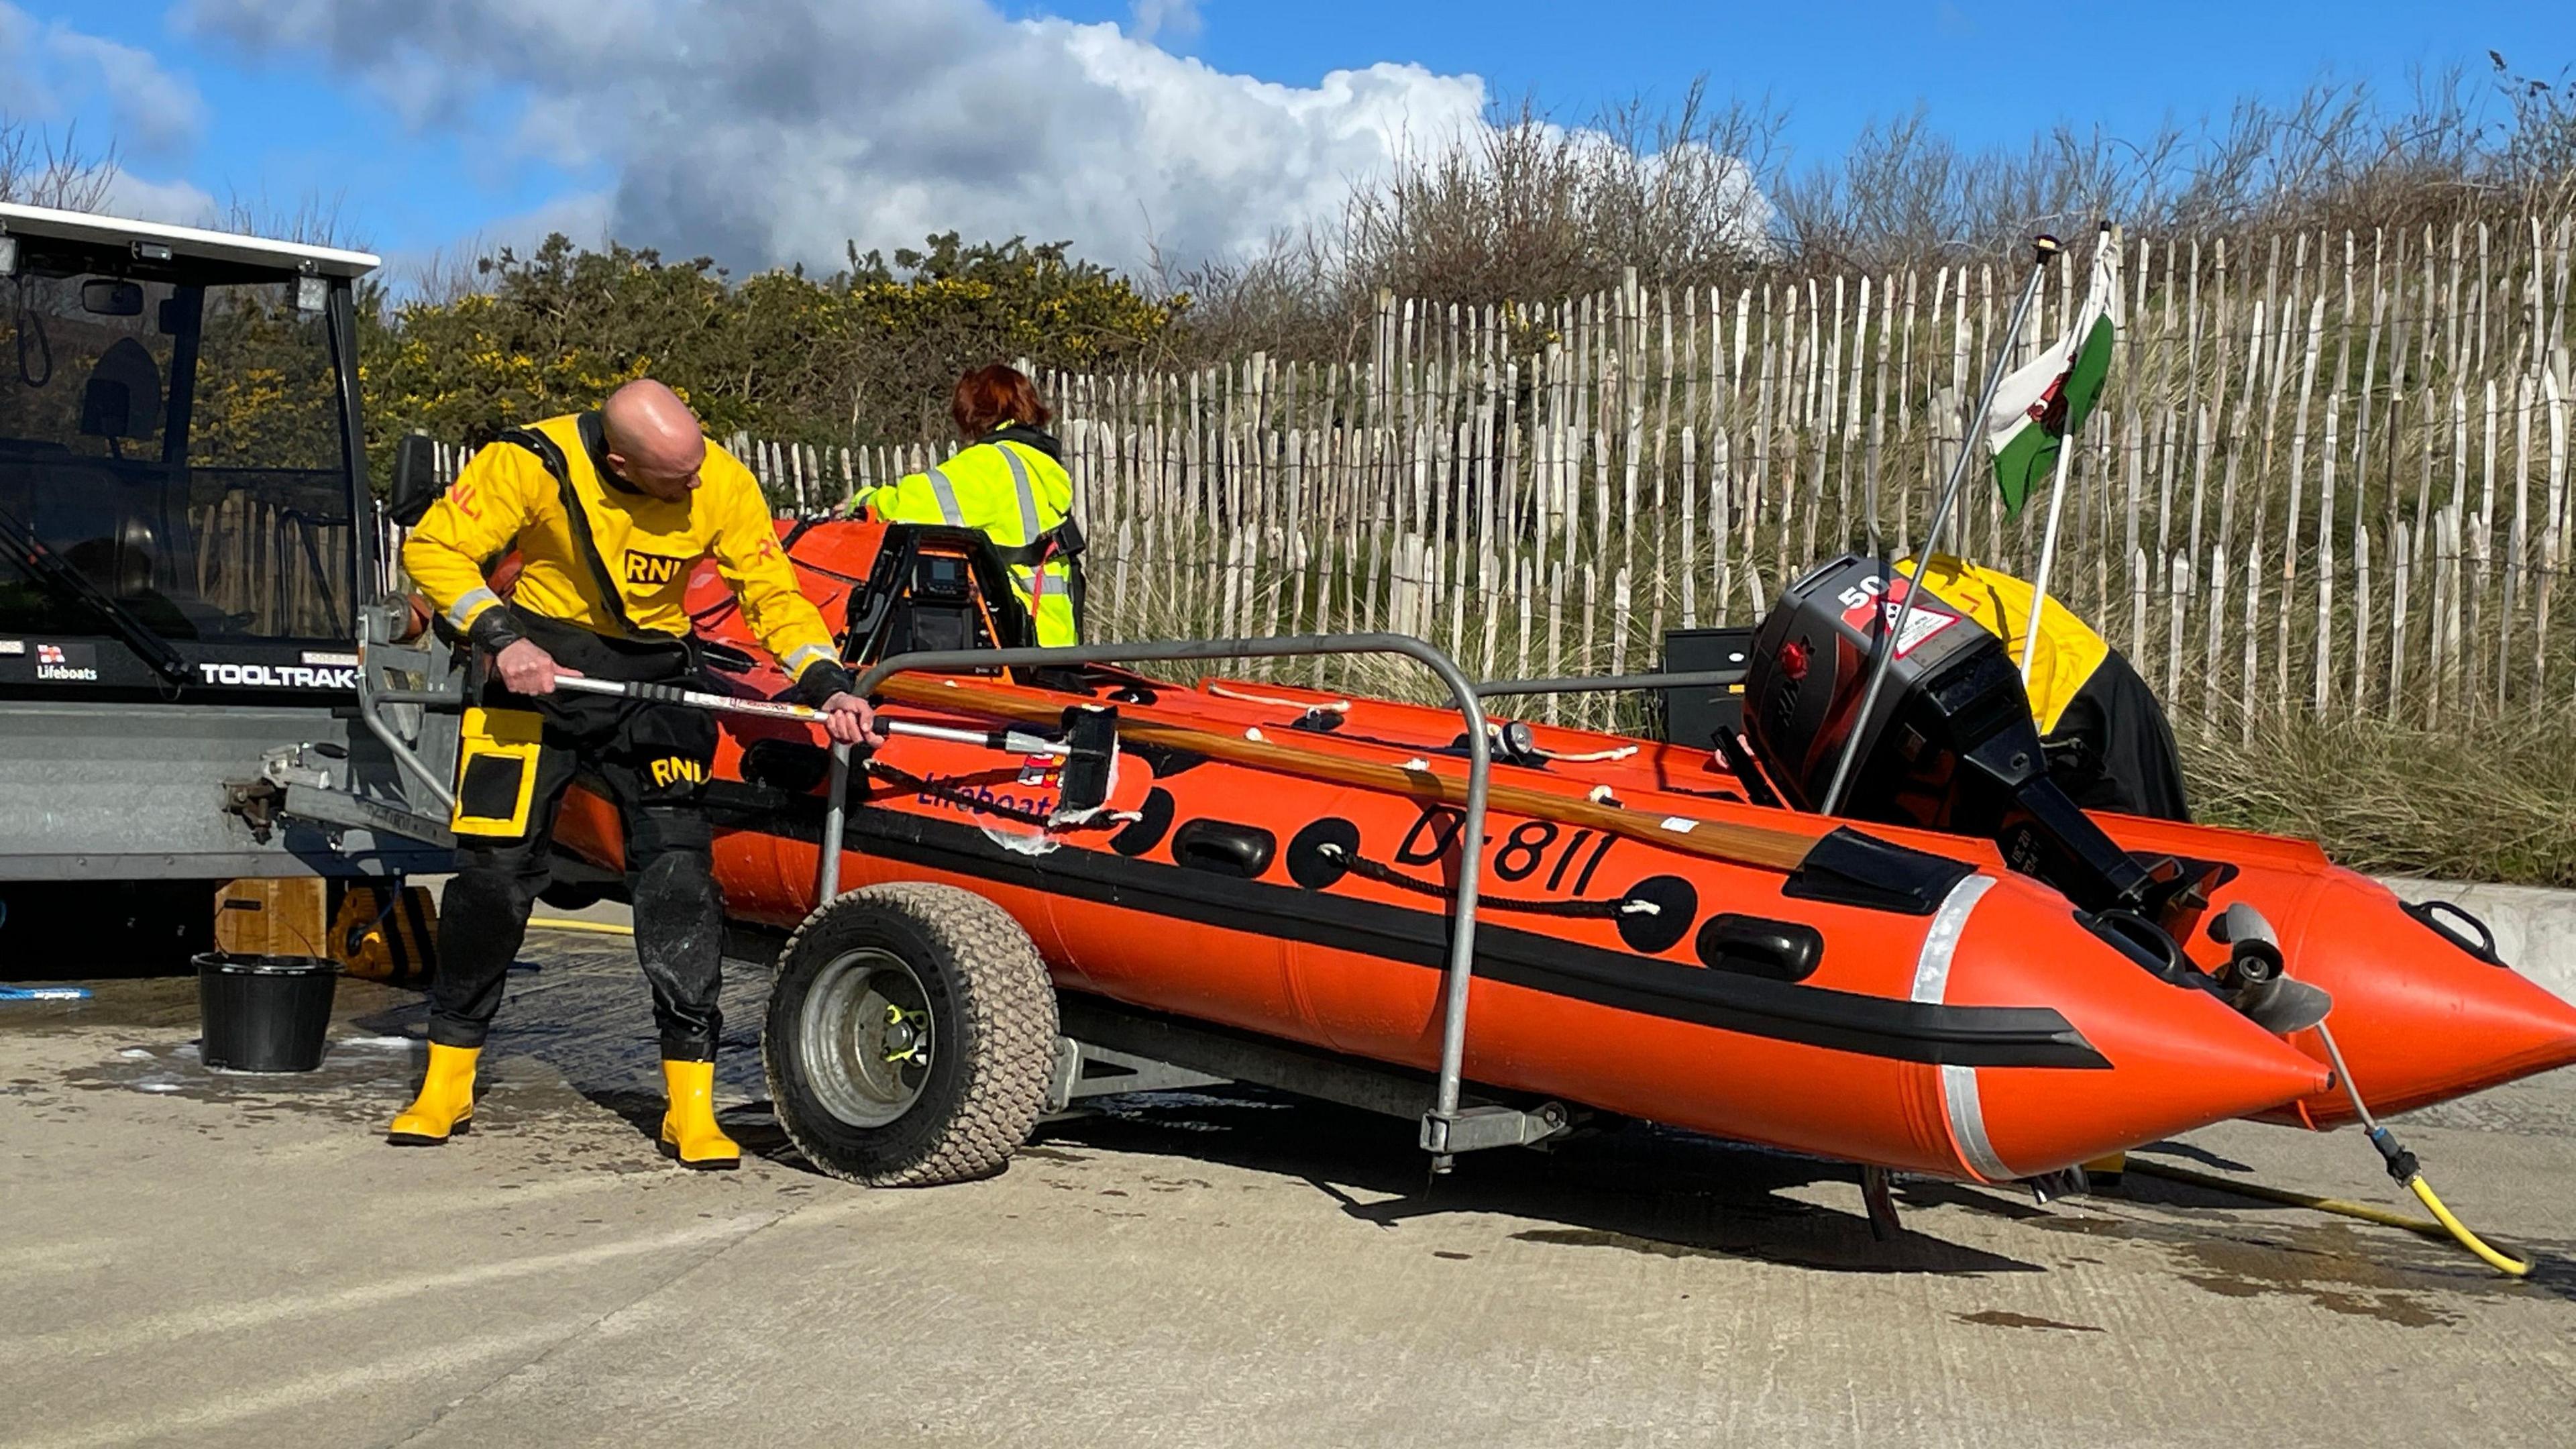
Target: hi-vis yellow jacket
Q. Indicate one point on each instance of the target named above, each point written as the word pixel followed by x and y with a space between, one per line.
pixel 610 558
pixel 1016 495
pixel 2069 650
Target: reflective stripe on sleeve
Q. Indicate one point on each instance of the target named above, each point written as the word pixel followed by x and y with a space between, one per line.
pixel 463 609
pixel 807 657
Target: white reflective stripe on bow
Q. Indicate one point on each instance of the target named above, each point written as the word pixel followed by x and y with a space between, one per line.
pixel 1958 1084
pixel 947 499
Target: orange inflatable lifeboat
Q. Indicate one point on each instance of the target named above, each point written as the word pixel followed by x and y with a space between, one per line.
pixel 1649 941
pixel 2423 1009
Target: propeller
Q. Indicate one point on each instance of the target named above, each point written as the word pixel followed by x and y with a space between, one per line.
pixel 2261 989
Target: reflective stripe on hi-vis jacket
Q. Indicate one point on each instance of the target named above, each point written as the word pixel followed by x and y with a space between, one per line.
pixel 598 553
pixel 2069 650
pixel 1015 495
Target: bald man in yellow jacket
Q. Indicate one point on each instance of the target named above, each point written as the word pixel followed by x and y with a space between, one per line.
pixel 609 512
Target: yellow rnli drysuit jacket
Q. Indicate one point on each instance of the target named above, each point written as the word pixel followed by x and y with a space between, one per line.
pixel 2069 651
pixel 1011 488
pixel 608 557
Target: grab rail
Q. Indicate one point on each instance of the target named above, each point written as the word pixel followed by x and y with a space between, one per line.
pixel 1611 683
pixel 1446 1129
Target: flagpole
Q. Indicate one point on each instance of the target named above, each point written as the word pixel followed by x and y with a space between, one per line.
pixel 2102 255
pixel 2047 557
pixel 2046 249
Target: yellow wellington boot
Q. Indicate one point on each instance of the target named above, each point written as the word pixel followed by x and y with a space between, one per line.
pixel 689 1130
pixel 446 1101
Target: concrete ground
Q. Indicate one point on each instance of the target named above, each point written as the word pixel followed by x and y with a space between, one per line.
pixel 188 1257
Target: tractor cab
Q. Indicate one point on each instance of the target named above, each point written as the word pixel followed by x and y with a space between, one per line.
pixel 186 542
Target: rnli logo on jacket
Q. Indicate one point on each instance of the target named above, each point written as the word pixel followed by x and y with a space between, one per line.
pixel 653 569
pixel 672 771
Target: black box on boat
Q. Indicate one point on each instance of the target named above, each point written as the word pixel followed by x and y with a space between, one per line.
pixel 1697 715
pixel 264 1013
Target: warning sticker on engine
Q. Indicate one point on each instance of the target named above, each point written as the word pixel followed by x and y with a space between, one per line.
pixel 1920 625
pixel 1925 621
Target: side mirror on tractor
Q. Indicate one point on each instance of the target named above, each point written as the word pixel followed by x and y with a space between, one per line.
pixel 415 484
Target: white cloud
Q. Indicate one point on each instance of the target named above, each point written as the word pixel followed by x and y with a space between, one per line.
pixel 51 69
pixel 139 198
pixel 1150 18
pixel 771 131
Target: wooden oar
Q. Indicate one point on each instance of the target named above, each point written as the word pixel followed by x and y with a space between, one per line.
pixel 1759 846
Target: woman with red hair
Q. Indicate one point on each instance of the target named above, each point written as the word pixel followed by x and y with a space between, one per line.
pixel 1009 482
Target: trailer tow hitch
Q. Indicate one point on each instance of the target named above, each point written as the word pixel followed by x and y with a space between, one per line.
pixel 261 802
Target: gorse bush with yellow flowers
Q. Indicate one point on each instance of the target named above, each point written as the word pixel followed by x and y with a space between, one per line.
pixel 865 355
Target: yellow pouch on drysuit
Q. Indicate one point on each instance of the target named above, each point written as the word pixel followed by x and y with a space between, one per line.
pixel 496 771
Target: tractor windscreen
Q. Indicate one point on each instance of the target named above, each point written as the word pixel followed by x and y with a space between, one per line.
pixel 177 437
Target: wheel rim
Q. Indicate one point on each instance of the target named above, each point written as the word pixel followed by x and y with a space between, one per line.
pixel 867 1037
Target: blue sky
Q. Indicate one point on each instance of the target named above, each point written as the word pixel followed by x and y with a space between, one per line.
pixel 794 123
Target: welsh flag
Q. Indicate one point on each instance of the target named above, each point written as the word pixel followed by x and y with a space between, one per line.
pixel 2037 408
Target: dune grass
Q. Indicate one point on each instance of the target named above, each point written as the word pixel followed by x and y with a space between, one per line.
pixel 2489 800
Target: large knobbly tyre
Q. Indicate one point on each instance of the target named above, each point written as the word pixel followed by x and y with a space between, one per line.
pixel 911 1036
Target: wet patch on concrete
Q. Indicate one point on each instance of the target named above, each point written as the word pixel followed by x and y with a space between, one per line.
pixel 2351 1269
pixel 358 1076
pixel 2000 1318
pixel 573 1065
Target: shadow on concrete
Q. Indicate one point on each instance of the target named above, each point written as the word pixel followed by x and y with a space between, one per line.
pixel 1635 1188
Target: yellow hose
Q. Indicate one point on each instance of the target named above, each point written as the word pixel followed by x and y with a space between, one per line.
pixel 2510 1267
pixel 2344 1207
pixel 2449 1226
pixel 565 923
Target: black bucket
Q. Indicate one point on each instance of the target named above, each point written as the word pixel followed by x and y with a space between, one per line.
pixel 264 1013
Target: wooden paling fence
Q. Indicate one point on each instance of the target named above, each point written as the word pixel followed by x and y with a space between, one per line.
pixel 2329 473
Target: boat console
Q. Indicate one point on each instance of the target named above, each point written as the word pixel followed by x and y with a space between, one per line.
pixel 933 587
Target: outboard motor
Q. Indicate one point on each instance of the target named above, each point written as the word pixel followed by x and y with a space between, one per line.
pixel 1951 745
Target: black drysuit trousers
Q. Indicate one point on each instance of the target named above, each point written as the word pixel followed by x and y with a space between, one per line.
pixel 653 761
